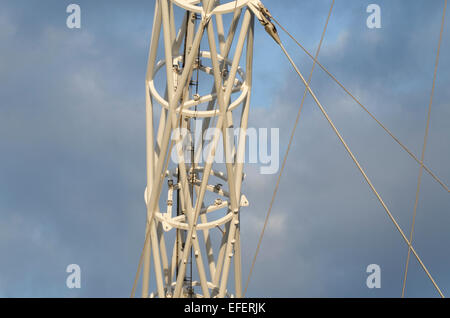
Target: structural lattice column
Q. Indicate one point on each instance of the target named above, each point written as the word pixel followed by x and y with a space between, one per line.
pixel 193 201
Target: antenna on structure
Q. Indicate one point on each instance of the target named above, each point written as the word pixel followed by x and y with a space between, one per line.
pixel 203 85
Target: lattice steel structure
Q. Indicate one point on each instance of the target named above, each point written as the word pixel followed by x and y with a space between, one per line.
pixel 188 199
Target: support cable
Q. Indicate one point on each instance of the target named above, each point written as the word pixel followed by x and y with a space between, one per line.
pixel 419 181
pixel 275 191
pixel 363 107
pixel 362 171
pixel 265 19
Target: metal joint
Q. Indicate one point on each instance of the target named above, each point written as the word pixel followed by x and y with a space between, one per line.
pixel 264 16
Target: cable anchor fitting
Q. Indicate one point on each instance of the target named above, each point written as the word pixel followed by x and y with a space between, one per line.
pixel 264 16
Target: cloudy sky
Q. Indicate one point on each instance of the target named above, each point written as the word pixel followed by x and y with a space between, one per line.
pixel 72 160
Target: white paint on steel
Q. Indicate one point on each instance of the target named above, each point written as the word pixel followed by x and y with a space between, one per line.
pixel 202 204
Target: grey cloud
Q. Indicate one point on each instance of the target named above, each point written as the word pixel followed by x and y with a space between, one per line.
pixel 72 169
